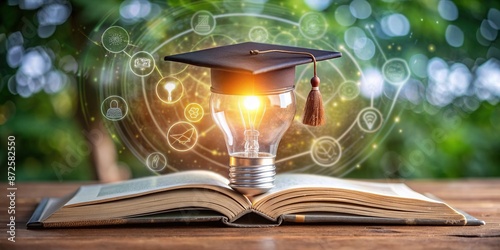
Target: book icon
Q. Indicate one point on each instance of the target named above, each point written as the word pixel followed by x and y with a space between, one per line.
pixel 202 26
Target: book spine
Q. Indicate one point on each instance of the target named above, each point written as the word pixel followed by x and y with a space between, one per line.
pixel 121 221
pixel 348 219
pixel 85 223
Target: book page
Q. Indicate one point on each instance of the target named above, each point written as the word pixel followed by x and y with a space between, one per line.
pixel 286 182
pixel 188 179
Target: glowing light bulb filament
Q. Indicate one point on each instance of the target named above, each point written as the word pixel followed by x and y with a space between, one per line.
pixel 250 111
pixel 251 103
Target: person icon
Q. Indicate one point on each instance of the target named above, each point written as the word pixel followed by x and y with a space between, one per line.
pixel 114 112
pixel 114 108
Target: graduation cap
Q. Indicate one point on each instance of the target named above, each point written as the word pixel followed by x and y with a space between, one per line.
pixel 260 69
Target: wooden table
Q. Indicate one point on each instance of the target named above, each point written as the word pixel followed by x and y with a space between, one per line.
pixel 479 197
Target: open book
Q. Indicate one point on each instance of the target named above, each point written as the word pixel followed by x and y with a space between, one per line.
pixel 201 196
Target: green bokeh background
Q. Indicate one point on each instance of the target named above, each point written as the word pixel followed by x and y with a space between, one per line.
pixel 48 127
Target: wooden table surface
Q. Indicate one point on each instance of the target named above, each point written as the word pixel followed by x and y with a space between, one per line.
pixel 479 197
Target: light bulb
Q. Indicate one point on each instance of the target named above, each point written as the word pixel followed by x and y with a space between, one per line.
pixel 170 86
pixel 252 128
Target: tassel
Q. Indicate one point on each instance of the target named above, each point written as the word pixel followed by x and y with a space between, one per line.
pixel 314 113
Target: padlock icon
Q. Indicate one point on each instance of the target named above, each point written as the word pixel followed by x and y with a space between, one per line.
pixel 114 112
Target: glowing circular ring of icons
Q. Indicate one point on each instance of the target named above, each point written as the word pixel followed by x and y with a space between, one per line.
pixel 203 22
pixel 194 112
pixel 348 90
pixel 326 151
pixel 313 25
pixel 396 71
pixel 258 34
pixel 370 120
pixel 182 136
pixel 114 108
pixel 156 161
pixel 142 63
pixel 169 89
pixel 115 39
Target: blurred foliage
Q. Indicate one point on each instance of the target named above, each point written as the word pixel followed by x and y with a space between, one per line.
pixel 50 131
pixel 431 146
pixel 44 125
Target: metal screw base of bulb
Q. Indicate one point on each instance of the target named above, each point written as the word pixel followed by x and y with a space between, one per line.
pixel 251 176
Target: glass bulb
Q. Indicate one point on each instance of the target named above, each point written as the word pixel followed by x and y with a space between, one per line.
pixel 252 128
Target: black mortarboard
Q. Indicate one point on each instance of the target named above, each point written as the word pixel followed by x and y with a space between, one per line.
pixel 235 71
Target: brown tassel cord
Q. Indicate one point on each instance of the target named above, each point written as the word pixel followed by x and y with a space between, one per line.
pixel 314 113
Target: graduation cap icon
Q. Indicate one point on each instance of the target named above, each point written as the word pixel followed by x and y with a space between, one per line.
pixel 258 69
